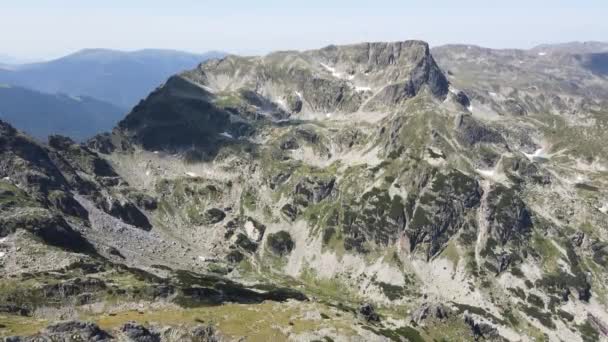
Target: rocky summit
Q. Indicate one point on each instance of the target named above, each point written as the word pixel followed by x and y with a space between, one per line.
pixel 367 192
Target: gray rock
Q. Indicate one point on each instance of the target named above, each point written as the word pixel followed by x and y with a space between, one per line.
pixel 368 313
pixel 138 333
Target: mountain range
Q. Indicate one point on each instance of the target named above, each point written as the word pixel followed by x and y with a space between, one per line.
pixel 366 192
pixel 87 92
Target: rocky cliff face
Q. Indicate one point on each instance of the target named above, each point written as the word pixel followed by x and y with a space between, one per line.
pixel 403 202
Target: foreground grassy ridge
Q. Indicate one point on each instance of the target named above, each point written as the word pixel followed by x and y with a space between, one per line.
pixel 268 321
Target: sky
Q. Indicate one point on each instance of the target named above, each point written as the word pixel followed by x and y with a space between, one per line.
pixel 45 29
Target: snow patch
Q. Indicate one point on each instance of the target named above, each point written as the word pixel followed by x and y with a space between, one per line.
pixel 3 240
pixel 2 254
pixel 362 89
pixel 470 108
pixel 7 179
pixel 539 153
pixel 604 208
pixel 493 94
pixel 299 94
pixel 252 231
pixel 328 115
pixel 227 135
pixel 207 259
pixel 191 174
pixel 542 53
pixel 209 89
pixel 333 71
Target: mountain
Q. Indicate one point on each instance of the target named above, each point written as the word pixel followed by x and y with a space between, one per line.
pixel 117 77
pixel 374 192
pixel 41 115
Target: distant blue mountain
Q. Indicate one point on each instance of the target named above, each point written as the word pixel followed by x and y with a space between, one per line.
pixel 118 77
pixel 41 115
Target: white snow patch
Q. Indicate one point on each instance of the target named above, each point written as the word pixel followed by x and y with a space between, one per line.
pixel 604 208
pixel 252 231
pixel 2 254
pixel 207 259
pixel 227 135
pixel 539 153
pixel 542 53
pixel 209 89
pixel 333 71
pixel 487 173
pixel 3 240
pixel 299 94
pixel 493 94
pixel 191 174
pixel 8 179
pixel 361 89
pixel 147 172
pixel 470 108
pixel 328 115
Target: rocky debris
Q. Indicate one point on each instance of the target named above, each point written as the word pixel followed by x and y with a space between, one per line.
pixel 127 212
pixel 114 251
pixel 205 333
pixel 509 216
pixel 75 331
pixel 213 216
pixel 289 143
pixel 441 212
pixel 314 190
pixel 430 311
pixel 280 243
pixel 101 143
pixel 73 287
pixel 472 132
pixel 294 103
pixel 598 324
pixel 14 309
pixel 368 313
pixel 577 238
pixel 144 201
pixel 66 203
pixel 138 333
pixel 374 217
pixel 514 107
pixel 242 241
pixel 521 170
pixel 462 98
pixel 290 211
pixel 50 227
pixel 480 329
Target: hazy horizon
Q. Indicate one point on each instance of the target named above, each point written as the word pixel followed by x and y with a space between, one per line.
pixel 44 29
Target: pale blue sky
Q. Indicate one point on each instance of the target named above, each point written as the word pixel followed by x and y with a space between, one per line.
pixel 50 28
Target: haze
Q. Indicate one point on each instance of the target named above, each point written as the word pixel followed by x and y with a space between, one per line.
pixel 45 29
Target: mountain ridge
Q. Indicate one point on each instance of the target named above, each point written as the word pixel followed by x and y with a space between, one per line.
pixel 402 201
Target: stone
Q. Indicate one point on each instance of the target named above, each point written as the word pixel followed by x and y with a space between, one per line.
pixel 280 243
pixel 368 313
pixel 138 333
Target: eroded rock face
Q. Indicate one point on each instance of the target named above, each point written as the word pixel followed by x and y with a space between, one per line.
pixel 138 333
pixel 480 329
pixel 368 313
pixel 430 311
pixel 70 331
pixel 509 216
pixel 280 243
pixel 472 132
pixel 441 211
pixel 52 228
